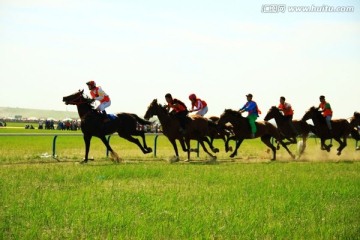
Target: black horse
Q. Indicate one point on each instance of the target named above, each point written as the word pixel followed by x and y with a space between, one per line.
pixel 341 129
pixel 93 123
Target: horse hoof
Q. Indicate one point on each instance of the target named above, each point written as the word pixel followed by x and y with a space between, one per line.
pixel 212 160
pixel 339 153
pixel 232 155
pixel 187 160
pixel 84 161
pixel 149 150
pixel 174 159
pixel 230 149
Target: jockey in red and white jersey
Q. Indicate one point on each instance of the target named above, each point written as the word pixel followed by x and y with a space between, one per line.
pixel 197 105
pixel 98 94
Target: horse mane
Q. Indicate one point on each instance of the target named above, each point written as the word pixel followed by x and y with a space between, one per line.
pixel 155 102
pixel 233 112
pixel 318 114
pixel 274 108
pixel 88 100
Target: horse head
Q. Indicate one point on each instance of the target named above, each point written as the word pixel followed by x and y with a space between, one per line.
pixel 273 112
pixel 77 98
pixel 152 109
pixel 314 114
pixel 355 119
pixel 229 115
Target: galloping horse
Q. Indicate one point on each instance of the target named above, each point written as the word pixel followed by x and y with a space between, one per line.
pixel 197 129
pixel 340 129
pixel 93 124
pixel 241 127
pixel 302 128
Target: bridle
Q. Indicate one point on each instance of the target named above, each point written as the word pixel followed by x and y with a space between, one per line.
pixel 77 101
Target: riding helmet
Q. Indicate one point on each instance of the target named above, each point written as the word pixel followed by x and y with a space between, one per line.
pixel 91 83
pixel 192 96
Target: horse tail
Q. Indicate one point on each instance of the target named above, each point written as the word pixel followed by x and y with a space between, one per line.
pixel 140 120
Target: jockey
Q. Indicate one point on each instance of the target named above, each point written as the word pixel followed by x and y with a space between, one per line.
pixel 98 94
pixel 179 108
pixel 198 105
pixel 326 111
pixel 253 113
pixel 288 112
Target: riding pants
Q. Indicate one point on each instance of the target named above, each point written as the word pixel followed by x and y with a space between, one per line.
pixel 252 118
pixel 202 111
pixel 103 105
pixel 328 122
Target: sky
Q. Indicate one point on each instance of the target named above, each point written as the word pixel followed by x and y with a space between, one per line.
pixel 140 50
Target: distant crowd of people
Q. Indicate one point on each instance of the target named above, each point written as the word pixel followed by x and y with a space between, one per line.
pixel 61 125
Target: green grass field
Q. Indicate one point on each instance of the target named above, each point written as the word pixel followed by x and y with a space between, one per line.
pixel 248 197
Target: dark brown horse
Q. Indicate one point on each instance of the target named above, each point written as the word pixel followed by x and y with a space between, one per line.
pixel 287 132
pixel 93 124
pixel 197 129
pixel 340 129
pixel 241 127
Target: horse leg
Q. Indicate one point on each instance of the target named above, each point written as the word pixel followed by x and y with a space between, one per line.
pixel 134 140
pixel 142 135
pixel 205 150
pixel 266 140
pixel 227 148
pixel 238 143
pixel 304 138
pixel 87 140
pixel 342 144
pixel 114 155
pixel 187 143
pixel 213 149
pixel 176 158
pixel 286 148
pixel 324 146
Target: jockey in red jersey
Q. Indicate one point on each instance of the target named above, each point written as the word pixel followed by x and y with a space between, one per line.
pixel 326 111
pixel 197 105
pixel 288 112
pixel 179 109
pixel 98 94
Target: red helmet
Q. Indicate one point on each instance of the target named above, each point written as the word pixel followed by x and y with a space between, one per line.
pixel 192 96
pixel 91 83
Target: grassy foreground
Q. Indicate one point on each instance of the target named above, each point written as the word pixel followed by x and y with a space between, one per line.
pixel 156 200
pixel 316 197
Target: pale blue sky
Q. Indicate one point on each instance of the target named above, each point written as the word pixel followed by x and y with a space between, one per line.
pixel 140 50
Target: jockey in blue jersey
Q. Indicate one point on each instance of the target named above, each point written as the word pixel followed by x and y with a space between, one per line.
pixel 253 113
